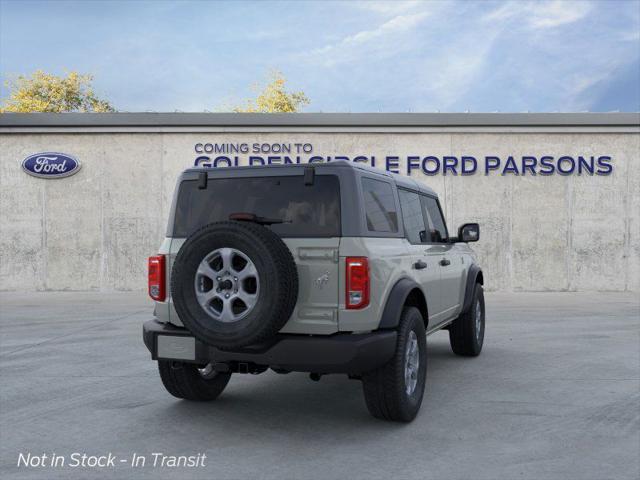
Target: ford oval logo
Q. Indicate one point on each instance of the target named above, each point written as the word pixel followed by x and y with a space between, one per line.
pixel 50 165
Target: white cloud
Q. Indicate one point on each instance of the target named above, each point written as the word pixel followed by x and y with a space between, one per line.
pixel 580 91
pixel 445 71
pixel 401 23
pixel 505 12
pixel 512 56
pixel 556 13
pixel 630 36
pixel 541 15
pixel 384 39
pixel 450 75
pixel 389 7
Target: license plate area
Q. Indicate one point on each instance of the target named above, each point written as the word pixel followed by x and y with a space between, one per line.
pixel 175 347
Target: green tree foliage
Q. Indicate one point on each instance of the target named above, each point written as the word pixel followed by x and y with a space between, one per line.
pixel 44 92
pixel 274 98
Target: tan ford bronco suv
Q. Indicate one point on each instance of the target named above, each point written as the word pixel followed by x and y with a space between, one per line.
pixel 319 268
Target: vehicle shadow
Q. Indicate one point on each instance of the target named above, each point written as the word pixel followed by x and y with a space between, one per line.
pixel 269 401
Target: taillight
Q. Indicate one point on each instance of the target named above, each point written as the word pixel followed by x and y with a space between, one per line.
pixel 357 280
pixel 156 278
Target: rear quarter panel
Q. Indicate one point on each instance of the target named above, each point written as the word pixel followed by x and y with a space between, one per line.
pixel 316 310
pixel 389 261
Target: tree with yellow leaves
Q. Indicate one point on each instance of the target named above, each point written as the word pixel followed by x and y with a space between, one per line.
pixel 44 92
pixel 274 98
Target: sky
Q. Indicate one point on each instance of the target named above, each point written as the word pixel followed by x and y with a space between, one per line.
pixel 347 56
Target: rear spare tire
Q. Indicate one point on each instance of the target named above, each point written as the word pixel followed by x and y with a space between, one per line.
pixel 234 284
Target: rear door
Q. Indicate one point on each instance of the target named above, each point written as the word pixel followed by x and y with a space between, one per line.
pixel 424 261
pixel 448 259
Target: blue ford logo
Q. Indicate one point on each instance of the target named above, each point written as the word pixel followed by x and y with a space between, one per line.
pixel 50 165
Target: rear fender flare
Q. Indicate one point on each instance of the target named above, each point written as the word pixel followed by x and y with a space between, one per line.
pixel 397 300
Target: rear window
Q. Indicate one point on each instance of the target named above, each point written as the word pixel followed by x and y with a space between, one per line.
pixel 306 210
pixel 380 206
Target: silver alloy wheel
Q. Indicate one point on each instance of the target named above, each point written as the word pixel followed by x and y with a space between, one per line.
pixel 227 285
pixel 478 320
pixel 411 363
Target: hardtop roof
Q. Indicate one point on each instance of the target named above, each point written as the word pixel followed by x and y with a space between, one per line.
pixel 400 180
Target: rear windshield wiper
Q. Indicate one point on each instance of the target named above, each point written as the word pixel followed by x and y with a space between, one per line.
pixel 252 217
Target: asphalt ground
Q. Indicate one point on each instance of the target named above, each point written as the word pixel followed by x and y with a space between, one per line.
pixel 555 394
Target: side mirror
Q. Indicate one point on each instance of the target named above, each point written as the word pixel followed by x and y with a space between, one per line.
pixel 469 232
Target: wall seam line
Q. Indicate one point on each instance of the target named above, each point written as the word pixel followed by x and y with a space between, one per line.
pixel 570 254
pixel 510 255
pixel 103 256
pixel 626 249
pixel 45 247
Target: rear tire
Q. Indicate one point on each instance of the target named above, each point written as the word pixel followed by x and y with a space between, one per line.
pixel 466 333
pixel 188 381
pixel 387 390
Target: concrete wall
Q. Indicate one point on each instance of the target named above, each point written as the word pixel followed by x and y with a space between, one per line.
pixel 94 230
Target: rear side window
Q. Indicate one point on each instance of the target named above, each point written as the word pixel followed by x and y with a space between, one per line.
pixel 412 216
pixel 305 210
pixel 380 206
pixel 437 227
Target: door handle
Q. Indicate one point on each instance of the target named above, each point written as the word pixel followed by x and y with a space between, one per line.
pixel 419 265
pixel 444 262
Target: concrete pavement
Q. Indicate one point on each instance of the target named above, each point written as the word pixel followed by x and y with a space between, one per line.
pixel 554 395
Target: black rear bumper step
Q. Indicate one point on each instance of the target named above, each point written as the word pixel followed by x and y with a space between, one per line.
pixel 339 353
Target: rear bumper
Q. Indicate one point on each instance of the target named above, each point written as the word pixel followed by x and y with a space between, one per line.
pixel 339 353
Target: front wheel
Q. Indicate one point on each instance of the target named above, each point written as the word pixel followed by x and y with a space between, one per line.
pixel 192 382
pixel 395 390
pixel 466 333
